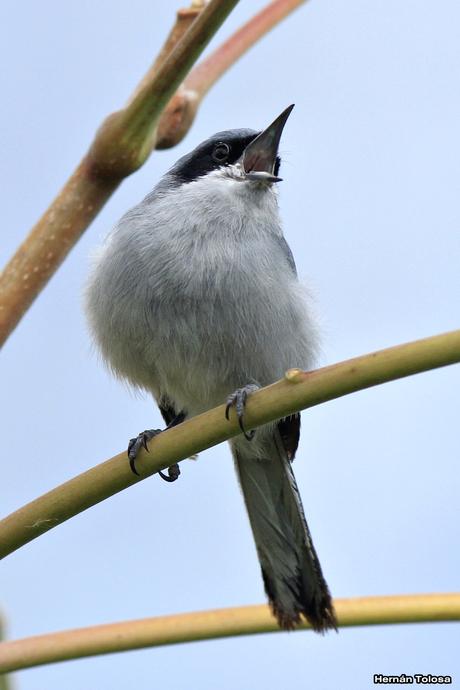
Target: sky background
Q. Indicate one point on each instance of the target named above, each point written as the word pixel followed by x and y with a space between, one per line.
pixel 370 204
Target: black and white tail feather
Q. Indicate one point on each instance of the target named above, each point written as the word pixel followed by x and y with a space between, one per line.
pixel 291 571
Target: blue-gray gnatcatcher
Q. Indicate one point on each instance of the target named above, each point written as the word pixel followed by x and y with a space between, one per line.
pixel 194 297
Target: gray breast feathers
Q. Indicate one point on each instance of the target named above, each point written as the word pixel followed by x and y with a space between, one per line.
pixel 196 304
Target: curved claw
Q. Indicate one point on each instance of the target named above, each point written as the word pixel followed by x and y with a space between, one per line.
pixel 248 435
pixel 227 410
pixel 238 400
pixel 141 441
pixel 132 464
pixel 137 443
pixel 173 473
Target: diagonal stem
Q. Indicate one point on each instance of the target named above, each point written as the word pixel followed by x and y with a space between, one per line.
pixel 207 625
pixel 297 391
pixel 180 112
pixel 120 147
pixel 124 142
pixel 205 75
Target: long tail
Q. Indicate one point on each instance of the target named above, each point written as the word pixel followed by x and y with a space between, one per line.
pixel 291 571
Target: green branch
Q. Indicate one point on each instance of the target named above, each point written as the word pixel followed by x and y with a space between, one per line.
pixel 126 138
pixel 120 147
pixel 206 625
pixel 297 391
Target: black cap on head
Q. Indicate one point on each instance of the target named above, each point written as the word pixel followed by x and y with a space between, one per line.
pixel 223 148
pixel 257 152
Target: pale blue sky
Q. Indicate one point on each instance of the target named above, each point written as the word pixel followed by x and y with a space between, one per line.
pixel 370 202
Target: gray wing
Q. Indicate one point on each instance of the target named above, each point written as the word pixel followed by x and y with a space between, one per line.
pixel 285 248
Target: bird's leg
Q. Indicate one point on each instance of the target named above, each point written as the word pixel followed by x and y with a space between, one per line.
pixel 141 440
pixel 174 470
pixel 238 401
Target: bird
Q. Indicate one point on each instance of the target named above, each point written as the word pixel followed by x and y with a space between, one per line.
pixel 194 297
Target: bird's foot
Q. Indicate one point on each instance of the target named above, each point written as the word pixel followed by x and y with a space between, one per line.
pixel 173 473
pixel 238 401
pixel 141 441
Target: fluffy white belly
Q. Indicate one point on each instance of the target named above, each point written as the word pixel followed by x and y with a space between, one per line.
pixel 195 312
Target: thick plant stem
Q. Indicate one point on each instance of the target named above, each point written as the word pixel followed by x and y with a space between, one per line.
pixel 121 146
pixel 49 242
pixel 206 625
pixel 297 391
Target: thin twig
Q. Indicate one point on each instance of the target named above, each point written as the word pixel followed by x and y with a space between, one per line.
pixel 121 145
pixel 206 625
pixel 297 391
pixel 205 75
pixel 180 112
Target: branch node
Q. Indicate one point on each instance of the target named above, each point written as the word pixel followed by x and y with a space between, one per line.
pixel 294 375
pixel 177 118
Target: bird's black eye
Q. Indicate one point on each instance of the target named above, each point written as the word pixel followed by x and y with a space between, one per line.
pixel 221 152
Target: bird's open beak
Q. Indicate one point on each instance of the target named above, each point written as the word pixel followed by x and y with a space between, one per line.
pixel 259 157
